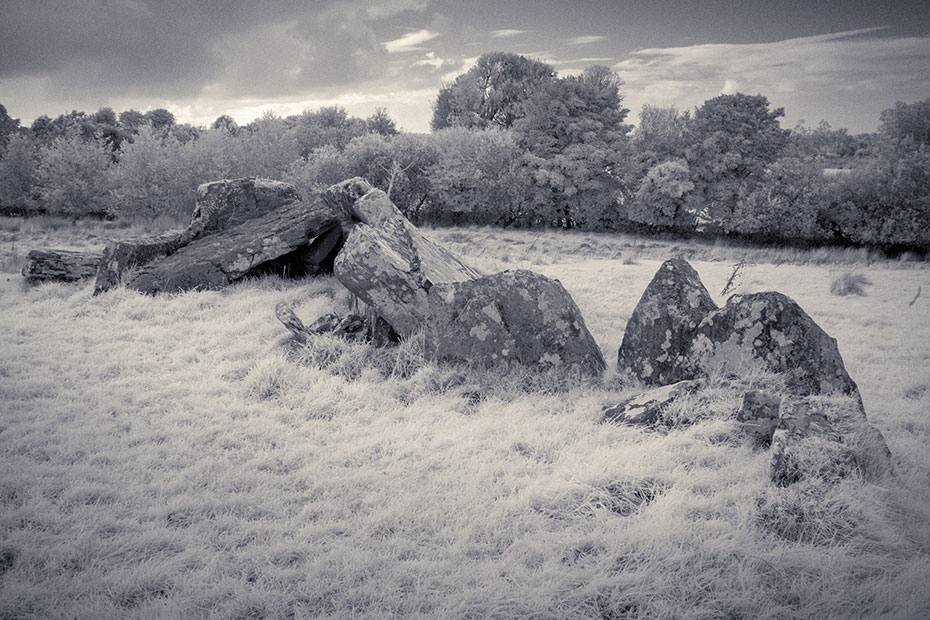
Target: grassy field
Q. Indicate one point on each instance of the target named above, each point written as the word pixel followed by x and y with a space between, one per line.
pixel 181 457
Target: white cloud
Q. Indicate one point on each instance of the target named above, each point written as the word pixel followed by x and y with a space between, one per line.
pixel 387 8
pixel 846 78
pixel 464 65
pixel 508 32
pixel 410 108
pixel 588 61
pixel 410 42
pixel 587 39
pixel 730 87
pixel 431 60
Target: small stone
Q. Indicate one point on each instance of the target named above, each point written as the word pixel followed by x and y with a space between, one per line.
pixel 806 445
pixel 646 408
pixel 758 415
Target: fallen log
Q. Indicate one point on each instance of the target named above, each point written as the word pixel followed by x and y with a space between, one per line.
pixel 60 265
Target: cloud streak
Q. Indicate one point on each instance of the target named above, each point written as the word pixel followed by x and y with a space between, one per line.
pixel 587 39
pixel 508 32
pixel 844 77
pixel 410 42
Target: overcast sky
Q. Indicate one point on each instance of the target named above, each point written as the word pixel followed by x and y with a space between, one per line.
pixel 842 61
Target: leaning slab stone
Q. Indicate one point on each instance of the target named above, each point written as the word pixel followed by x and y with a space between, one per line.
pixel 292 322
pixel 59 265
pixel 646 408
pixel 220 205
pixel 515 316
pixel 772 328
pixel 375 209
pixel 223 257
pixel 377 269
pixel 385 260
pixel 663 324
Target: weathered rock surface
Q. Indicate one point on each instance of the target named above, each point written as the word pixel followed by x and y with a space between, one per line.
pixel 59 265
pixel 121 256
pixel 772 328
pixel 758 416
pixel 807 445
pixel 341 198
pixel 518 316
pixel 385 260
pixel 220 205
pixel 384 276
pixel 663 324
pixel 647 407
pixel 220 258
pixel 349 326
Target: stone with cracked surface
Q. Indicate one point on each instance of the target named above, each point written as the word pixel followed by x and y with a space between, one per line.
pixel 773 329
pixel 221 205
pixel 223 257
pixel 384 276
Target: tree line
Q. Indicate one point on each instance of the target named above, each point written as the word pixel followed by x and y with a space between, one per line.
pixel 512 144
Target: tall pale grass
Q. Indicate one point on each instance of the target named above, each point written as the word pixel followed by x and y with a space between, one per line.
pixel 181 457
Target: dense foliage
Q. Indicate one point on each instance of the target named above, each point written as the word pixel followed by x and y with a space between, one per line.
pixel 513 144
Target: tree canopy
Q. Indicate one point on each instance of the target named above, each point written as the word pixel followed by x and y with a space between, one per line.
pixel 907 122
pixel 492 93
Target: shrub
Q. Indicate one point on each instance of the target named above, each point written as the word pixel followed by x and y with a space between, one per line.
pixel 72 177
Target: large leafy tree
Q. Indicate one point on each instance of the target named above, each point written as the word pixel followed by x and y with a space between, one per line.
pixel 908 122
pixel 785 204
pixel 492 93
pixel 17 173
pixel 577 149
pixel 661 199
pixel 8 127
pixel 661 134
pixel 131 120
pixel 828 146
pixel 381 123
pixel 479 177
pixel 732 139
pixel 160 119
pixel 71 177
pixel 327 126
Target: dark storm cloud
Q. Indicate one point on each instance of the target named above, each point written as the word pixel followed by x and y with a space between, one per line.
pixel 177 47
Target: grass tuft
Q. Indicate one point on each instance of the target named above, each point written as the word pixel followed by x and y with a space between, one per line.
pixel 849 284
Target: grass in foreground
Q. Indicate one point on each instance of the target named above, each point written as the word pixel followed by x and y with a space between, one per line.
pixel 179 457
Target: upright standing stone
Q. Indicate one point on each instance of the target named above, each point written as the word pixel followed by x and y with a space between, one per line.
pixel 663 324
